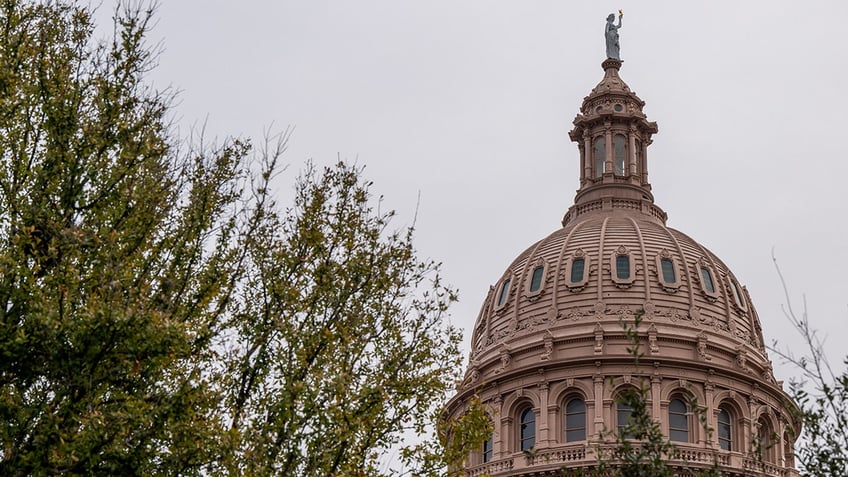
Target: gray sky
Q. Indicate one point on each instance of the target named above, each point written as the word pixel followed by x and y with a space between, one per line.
pixel 470 103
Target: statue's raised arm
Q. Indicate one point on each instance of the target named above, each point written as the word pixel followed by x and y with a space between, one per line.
pixel 611 35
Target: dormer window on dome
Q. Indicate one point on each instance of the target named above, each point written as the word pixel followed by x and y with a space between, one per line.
pixel 668 271
pixel 577 271
pixel 622 268
pixel 706 276
pixel 536 279
pixel 504 294
pixel 738 298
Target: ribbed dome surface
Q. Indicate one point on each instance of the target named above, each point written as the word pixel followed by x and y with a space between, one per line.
pixel 696 298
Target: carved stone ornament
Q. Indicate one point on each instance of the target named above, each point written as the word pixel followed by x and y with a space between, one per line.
pixel 742 359
pixel 505 358
pixel 652 339
pixel 702 347
pixel 599 338
pixel 549 346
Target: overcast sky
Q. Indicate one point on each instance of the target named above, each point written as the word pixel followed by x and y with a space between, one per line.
pixel 470 102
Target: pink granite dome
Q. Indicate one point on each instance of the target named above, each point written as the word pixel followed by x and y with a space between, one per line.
pixel 697 299
pixel 550 354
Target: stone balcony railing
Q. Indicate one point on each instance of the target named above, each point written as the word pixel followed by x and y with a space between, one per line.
pixel 585 455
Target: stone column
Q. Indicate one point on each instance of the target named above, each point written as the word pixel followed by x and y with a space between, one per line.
pixel 711 416
pixel 498 444
pixel 587 157
pixel 631 152
pixel 656 409
pixel 543 414
pixel 599 406
pixel 608 165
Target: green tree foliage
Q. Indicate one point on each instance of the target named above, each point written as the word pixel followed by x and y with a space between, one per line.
pixel 159 315
pixel 341 337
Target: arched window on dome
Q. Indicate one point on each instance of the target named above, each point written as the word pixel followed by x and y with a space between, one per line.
pixel 622 267
pixel 725 428
pixel 678 420
pixel 619 154
pixel 599 154
pixel 575 420
pixel 527 429
pixel 504 293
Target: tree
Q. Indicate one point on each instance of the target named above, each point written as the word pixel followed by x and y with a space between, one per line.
pixel 341 337
pixel 159 315
pixel 821 394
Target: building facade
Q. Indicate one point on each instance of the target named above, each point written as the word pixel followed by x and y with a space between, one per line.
pixel 549 353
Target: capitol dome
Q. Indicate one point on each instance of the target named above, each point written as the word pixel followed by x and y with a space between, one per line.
pixel 549 353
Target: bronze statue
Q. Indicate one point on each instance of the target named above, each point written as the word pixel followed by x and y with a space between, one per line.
pixel 611 34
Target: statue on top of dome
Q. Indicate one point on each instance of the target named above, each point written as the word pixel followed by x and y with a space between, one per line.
pixel 611 35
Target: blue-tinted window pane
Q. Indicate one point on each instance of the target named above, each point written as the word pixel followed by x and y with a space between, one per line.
pixel 622 418
pixel 536 281
pixel 577 268
pixel 575 420
pixel 618 149
pixel 678 421
pixel 528 429
pixel 668 270
pixel 622 267
pixel 504 293
pixel 724 439
pixel 600 156
pixel 487 449
pixel 708 280
pixel 737 295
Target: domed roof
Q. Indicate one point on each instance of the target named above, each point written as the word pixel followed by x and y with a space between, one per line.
pixel 609 265
pixel 615 258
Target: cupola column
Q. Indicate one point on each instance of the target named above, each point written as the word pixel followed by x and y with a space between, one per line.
pixel 608 170
pixel 632 152
pixel 586 171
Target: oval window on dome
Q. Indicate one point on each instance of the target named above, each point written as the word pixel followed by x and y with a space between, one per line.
pixel 536 279
pixel 504 292
pixel 600 154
